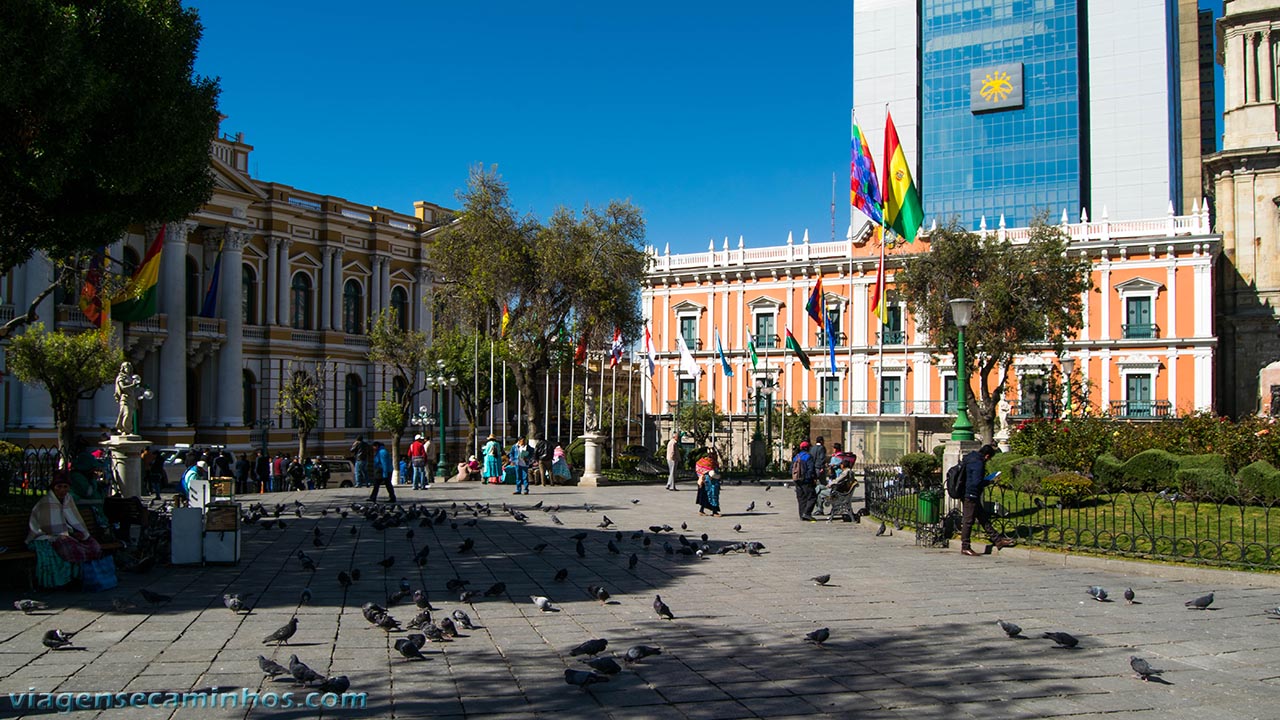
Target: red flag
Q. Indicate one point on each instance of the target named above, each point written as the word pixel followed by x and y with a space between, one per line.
pixel 580 354
pixel 91 301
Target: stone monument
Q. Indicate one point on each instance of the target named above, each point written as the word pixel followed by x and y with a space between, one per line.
pixel 125 445
pixel 593 440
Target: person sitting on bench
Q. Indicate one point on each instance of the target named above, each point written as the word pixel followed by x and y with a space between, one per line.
pixel 58 536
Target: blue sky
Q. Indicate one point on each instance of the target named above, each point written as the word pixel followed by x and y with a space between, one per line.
pixel 715 117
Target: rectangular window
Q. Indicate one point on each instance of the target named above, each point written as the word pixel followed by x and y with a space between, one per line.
pixel 1137 316
pixel 951 399
pixel 891 395
pixel 831 395
pixel 1137 396
pixel 688 392
pixel 766 331
pixel 891 332
pixel 689 331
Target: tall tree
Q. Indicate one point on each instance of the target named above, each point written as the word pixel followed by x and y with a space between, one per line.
pixel 301 398
pixel 579 272
pixel 71 367
pixel 1028 295
pixel 103 124
pixel 404 353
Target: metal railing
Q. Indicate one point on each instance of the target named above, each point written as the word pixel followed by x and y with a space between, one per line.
pixel 29 474
pixel 841 337
pixel 890 495
pixel 893 337
pixel 1139 409
pixel 1144 331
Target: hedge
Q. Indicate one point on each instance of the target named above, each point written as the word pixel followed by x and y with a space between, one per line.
pixel 1107 475
pixel 1069 487
pixel 1148 470
pixel 920 467
pixel 1206 483
pixel 1260 480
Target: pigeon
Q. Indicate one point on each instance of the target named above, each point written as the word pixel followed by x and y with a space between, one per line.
pixel 344 580
pixel 355 574
pixel 1273 612
pixel 448 628
pixel 599 593
pixel 555 520
pixel 304 598
pixel 821 579
pixel 302 674
pixel 468 596
pixel 880 531
pixel 603 665
pixel 580 549
pixel 388 623
pixel 561 575
pixel 640 652
pixel 544 604
pixel 661 608
pixel 354 531
pixel 1009 628
pixel 429 632
pixel 57 639
pixel 456 584
pixel 283 634
pixel 752 506
pixel 578 536
pixel 404 585
pixel 666 547
pixel 30 606
pixel 306 561
pixel 1129 596
pixel 387 562
pixel 1098 593
pixel 463 619
pixel 1063 639
pixel 121 605
pixel 234 603
pixel 1201 603
pixel 271 668
pixel 419 620
pixel 590 647
pixel 582 678
pixel 606 522
pixel 154 598
pixel 466 545
pixel 539 548
pixel 408 650
pixel 1142 667
pixel 633 561
pixel 819 636
pixel 613 549
pixel 737 528
pixel 336 685
pixel 496 589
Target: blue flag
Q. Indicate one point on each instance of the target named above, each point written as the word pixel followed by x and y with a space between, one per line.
pixel 724 361
pixel 209 308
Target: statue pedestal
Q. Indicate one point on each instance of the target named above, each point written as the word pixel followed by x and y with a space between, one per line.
pixel 126 461
pixel 591 461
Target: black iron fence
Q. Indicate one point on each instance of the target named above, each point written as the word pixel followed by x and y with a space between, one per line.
pixel 28 474
pixel 1233 532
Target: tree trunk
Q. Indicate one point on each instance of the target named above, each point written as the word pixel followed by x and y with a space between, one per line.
pixel 531 397
pixel 303 434
pixel 395 456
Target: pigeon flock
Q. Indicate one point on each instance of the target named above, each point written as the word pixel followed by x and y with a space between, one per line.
pixel 409 532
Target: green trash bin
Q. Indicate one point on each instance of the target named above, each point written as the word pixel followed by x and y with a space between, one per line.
pixel 930 508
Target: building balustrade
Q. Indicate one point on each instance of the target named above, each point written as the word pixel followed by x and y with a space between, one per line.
pixel 1138 409
pixel 893 337
pixel 1143 331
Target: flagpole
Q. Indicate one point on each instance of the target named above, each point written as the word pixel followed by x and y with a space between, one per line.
pixel 613 413
pixel 573 384
pixel 475 357
pixel 491 393
pixel 546 405
pixel 631 386
pixel 506 409
pixel 559 402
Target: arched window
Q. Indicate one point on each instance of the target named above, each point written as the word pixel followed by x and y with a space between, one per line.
pixel 399 389
pixel 194 287
pixel 352 308
pixel 248 295
pixel 353 399
pixel 300 291
pixel 250 388
pixel 400 304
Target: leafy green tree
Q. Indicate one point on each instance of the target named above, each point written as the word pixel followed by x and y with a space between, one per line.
pixel 697 419
pixel 463 351
pixel 301 398
pixel 1028 296
pixel 578 273
pixel 404 353
pixel 103 124
pixel 794 428
pixel 70 366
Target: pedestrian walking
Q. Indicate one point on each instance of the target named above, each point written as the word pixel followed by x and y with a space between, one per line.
pixel 492 471
pixel 277 473
pixel 708 470
pixel 382 473
pixel 803 477
pixel 418 463
pixel 673 460
pixel 972 508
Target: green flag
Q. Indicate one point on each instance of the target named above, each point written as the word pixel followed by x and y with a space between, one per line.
pixel 751 345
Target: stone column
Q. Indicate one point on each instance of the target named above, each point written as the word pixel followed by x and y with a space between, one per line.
pixel 326 289
pixel 270 279
pixel 37 408
pixel 282 295
pixel 335 307
pixel 172 389
pixel 421 307
pixel 231 355
pixel 385 291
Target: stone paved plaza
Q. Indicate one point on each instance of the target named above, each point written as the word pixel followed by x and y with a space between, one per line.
pixel 913 630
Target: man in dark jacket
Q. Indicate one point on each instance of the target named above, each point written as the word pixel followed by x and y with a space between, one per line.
pixel 261 471
pixel 802 475
pixel 976 480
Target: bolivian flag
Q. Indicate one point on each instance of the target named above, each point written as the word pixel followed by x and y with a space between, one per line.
pixel 902 210
pixel 138 301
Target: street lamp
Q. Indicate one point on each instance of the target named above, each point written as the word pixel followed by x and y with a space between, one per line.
pixel 765 388
pixel 1068 366
pixel 439 382
pixel 962 313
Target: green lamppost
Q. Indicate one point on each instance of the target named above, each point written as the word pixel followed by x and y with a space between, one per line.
pixel 439 382
pixel 962 313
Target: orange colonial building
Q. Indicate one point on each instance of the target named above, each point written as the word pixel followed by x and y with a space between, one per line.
pixel 1146 348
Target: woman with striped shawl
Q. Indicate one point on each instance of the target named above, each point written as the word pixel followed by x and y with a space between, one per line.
pixel 708 470
pixel 58 536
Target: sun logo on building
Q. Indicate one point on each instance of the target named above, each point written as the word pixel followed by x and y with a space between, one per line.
pixel 996 86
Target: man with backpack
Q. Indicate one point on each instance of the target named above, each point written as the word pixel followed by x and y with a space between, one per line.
pixel 803 476
pixel 976 479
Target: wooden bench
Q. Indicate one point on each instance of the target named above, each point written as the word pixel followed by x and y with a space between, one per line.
pixel 13 535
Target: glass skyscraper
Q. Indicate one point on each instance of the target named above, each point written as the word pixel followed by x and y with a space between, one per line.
pixel 1016 159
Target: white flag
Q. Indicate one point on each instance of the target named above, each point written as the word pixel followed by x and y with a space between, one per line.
pixel 688 365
